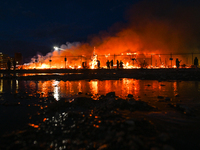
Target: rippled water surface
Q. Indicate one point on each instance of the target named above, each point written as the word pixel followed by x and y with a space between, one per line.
pixel 158 94
pixel 189 90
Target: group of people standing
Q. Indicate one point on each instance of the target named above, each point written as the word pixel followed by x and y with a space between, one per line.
pixel 109 64
pixel 196 62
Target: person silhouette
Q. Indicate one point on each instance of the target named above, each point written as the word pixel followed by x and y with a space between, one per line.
pixel 117 64
pixel 98 64
pixel 108 64
pixel 121 64
pixel 8 64
pixel 14 64
pixel 196 62
pixel 177 63
pixel 111 63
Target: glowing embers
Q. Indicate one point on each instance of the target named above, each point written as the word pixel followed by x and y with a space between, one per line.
pixel 33 125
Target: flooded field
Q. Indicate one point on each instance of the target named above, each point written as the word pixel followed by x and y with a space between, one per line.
pixel 173 109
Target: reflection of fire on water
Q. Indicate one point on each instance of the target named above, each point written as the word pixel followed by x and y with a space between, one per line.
pixel 94 86
pixel 56 90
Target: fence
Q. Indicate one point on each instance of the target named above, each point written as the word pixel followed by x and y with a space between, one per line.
pixel 154 60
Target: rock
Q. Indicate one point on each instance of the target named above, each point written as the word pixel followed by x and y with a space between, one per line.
pixel 155 148
pixel 130 122
pixel 177 95
pixel 130 96
pixel 119 134
pixel 83 101
pixel 89 94
pixel 132 101
pixel 110 94
pixel 160 97
pixel 168 147
pixel 167 98
pixel 186 110
pixel 163 137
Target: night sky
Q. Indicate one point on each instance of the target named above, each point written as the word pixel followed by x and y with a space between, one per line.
pixel 36 26
pixel 31 26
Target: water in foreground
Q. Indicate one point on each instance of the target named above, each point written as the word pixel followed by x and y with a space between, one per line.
pixel 94 114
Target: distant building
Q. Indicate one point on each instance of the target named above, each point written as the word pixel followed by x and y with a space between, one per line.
pixel 3 60
pixel 18 58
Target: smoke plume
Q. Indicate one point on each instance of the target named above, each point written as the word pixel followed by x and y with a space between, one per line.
pixel 153 26
pixel 157 27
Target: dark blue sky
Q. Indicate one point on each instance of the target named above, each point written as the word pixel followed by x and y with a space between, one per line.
pixel 38 25
pixel 35 25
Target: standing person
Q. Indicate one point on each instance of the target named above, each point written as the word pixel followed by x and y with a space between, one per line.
pixel 98 64
pixel 196 63
pixel 177 63
pixel 108 64
pixel 8 64
pixel 111 64
pixel 83 65
pixel 121 64
pixel 117 64
pixel 14 64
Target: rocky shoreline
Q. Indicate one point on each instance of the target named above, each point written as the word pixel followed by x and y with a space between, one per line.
pixel 104 122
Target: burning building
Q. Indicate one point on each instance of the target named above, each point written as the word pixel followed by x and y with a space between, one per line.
pixel 128 60
pixel 18 58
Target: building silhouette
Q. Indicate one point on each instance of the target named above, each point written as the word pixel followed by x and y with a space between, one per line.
pixel 3 60
pixel 18 58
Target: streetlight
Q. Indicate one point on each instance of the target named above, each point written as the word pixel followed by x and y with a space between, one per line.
pixel 57 48
pixel 60 49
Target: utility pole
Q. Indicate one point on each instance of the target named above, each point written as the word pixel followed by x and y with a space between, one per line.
pixel 171 60
pixel 65 61
pixel 192 58
pixel 50 62
pixel 35 63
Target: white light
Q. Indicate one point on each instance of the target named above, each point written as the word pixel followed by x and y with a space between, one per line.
pixel 56 48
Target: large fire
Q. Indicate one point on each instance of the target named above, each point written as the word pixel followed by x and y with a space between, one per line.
pixel 154 38
pixel 107 61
